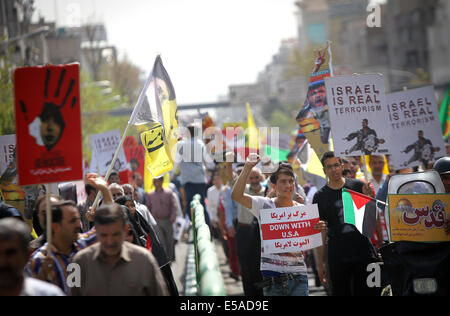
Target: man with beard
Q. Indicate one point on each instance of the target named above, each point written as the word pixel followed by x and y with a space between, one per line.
pixel 14 239
pixel 51 266
pixel 115 267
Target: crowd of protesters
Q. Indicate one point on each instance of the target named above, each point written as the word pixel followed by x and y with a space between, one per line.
pixel 126 245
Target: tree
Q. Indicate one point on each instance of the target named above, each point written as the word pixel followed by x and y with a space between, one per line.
pixel 124 77
pixel 282 120
pixel 95 107
pixel 301 63
pixel 7 119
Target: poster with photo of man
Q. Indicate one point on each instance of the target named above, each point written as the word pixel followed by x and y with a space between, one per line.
pixel 415 126
pixel 358 116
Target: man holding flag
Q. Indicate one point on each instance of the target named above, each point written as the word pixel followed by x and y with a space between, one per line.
pixel 349 251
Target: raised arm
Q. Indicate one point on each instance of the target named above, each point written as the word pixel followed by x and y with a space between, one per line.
pixel 100 184
pixel 239 187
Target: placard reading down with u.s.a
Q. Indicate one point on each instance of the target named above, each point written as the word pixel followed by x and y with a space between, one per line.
pixel 358 116
pixel 290 229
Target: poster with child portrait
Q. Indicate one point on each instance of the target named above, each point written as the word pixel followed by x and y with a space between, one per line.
pixel 48 124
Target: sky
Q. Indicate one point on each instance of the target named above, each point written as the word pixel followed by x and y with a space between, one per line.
pixel 205 45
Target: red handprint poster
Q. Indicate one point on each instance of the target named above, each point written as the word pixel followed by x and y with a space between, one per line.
pixel 135 154
pixel 48 124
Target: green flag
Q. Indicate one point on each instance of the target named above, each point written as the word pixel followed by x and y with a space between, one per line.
pixel 444 114
pixel 360 211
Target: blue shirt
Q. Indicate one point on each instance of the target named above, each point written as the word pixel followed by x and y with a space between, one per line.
pixel 231 208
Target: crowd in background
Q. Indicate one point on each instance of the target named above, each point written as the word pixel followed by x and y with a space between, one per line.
pixel 146 220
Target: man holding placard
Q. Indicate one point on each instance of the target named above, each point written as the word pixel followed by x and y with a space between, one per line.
pixel 284 272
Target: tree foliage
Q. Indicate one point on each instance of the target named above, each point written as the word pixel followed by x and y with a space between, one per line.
pixel 7 123
pixel 96 108
pixel 125 77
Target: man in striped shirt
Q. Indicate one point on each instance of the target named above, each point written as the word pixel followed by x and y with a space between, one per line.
pixel 67 241
pixel 51 266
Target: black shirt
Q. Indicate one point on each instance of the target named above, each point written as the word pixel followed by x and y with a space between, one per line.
pixel 345 242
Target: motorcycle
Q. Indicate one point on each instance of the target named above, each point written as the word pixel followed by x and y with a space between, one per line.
pixel 416 268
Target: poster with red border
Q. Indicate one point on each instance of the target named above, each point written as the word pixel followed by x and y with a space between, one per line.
pixel 48 124
pixel 290 229
pixel 135 154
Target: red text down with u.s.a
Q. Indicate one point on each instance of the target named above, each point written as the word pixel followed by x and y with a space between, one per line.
pixel 290 229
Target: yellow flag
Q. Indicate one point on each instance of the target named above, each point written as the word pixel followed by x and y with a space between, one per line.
pixel 157 160
pixel 158 107
pixel 253 133
pixel 148 182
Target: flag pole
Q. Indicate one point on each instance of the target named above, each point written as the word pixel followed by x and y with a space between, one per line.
pixel 49 219
pixel 366 176
pixel 369 197
pixel 130 122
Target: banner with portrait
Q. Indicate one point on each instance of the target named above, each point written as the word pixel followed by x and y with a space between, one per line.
pixel 313 118
pixel 48 124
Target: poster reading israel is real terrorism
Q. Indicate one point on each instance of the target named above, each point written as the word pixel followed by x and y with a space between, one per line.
pixel 358 116
pixel 414 123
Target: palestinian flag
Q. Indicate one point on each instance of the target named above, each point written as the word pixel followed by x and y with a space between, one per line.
pixel 360 211
pixel 444 115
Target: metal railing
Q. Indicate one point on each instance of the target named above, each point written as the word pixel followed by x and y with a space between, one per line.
pixel 208 278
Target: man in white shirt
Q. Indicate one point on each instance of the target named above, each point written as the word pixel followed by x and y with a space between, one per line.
pixel 213 199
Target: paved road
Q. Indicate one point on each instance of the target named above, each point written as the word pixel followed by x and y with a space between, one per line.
pixel 233 287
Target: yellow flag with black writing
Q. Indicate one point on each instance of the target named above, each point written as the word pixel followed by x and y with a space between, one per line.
pixel 157 105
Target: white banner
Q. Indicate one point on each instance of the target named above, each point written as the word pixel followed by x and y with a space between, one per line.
pixel 358 116
pixel 104 146
pixel 416 129
pixel 290 229
pixel 7 146
pixel 179 227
